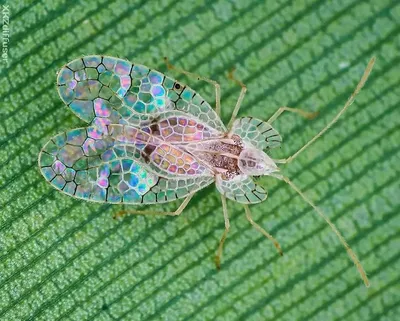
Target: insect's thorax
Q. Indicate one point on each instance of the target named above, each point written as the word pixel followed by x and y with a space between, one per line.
pixel 221 155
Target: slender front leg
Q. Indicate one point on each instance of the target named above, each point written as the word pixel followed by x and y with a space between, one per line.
pixel 261 230
pixel 303 113
pixel 178 211
pixel 210 81
pixel 240 99
pixel 349 101
pixel 224 235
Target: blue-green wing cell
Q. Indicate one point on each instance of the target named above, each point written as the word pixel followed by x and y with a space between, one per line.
pixel 241 189
pixel 89 164
pixel 102 90
pixel 256 132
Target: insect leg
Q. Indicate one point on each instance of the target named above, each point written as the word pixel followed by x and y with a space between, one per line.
pixel 210 81
pixel 224 235
pixel 178 211
pixel 350 252
pixel 240 99
pixel 261 230
pixel 303 113
pixel 349 101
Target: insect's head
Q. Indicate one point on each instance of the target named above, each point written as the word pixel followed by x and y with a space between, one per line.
pixel 255 162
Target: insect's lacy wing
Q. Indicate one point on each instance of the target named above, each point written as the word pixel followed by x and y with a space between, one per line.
pixel 159 155
pixel 177 128
pixel 257 132
pixel 242 189
pixel 105 90
pixel 86 164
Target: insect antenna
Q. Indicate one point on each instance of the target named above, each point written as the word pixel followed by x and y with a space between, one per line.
pixel 350 252
pixel 349 101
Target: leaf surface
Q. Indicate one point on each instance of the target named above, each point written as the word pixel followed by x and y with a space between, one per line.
pixel 65 259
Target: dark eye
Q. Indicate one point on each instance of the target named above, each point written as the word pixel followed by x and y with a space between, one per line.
pixel 177 86
pixel 251 163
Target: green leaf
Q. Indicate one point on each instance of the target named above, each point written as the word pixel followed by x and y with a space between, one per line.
pixel 62 258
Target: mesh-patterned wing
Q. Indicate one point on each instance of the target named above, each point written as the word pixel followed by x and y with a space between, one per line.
pixel 257 132
pixel 160 156
pixel 178 127
pixel 242 189
pixel 103 90
pixel 86 164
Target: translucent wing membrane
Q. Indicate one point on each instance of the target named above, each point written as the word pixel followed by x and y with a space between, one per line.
pixel 257 132
pixel 242 189
pixel 103 90
pixel 179 128
pixel 91 165
pixel 160 156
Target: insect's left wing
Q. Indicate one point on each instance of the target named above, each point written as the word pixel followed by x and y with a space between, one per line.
pixel 86 164
pixel 159 155
pixel 104 90
pixel 257 132
pixel 241 189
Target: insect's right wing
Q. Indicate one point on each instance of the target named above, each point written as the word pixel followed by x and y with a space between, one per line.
pixel 86 163
pixel 103 90
pixel 257 132
pixel 241 189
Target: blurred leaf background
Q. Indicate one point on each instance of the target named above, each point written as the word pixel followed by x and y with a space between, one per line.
pixel 65 259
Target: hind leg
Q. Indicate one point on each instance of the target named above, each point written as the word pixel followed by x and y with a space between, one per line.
pixel 224 235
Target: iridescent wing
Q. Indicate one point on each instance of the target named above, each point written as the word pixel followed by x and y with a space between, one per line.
pixel 102 90
pixel 87 163
pixel 177 128
pixel 257 132
pixel 159 156
pixel 242 189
